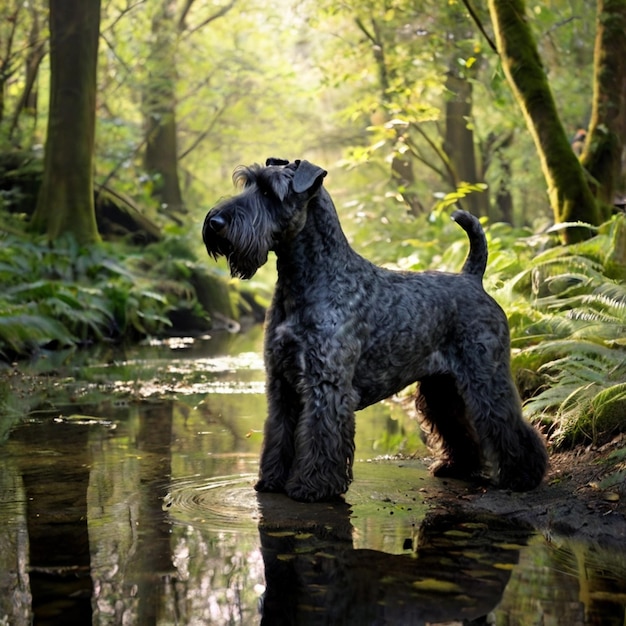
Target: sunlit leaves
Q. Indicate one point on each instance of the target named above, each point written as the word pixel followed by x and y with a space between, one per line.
pixel 447 200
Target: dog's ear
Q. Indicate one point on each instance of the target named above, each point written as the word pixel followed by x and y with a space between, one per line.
pixel 275 161
pixel 307 177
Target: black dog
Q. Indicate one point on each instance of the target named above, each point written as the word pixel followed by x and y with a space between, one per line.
pixel 343 333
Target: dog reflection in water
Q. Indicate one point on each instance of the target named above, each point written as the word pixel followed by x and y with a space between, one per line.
pixel 314 575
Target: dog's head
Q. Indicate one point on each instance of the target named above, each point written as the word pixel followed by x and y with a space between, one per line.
pixel 270 209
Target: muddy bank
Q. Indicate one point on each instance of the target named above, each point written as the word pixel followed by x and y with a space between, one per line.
pixel 583 496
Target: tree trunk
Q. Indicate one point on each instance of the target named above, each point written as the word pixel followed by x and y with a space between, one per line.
pixel 402 172
pixel 570 197
pixel 161 155
pixel 36 53
pixel 504 198
pixel 66 202
pixel 602 153
pixel 459 140
pixel 403 177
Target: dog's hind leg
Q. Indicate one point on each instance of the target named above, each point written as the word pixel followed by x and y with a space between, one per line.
pixel 449 432
pixel 514 453
pixel 520 458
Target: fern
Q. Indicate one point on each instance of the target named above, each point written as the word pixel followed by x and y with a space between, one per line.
pixel 22 332
pixel 572 334
pixel 70 294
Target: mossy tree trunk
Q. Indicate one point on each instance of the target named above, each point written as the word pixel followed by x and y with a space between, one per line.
pixel 569 194
pixel 66 202
pixel 602 153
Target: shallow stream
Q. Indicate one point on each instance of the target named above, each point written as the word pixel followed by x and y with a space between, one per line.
pixel 126 498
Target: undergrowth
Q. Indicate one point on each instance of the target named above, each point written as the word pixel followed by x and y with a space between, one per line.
pixel 66 294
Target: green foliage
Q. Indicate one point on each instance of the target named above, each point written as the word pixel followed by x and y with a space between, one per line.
pixel 392 60
pixel 70 295
pixel 387 234
pixel 568 323
pixel 462 191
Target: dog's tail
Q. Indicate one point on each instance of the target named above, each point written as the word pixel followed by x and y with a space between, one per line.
pixel 476 261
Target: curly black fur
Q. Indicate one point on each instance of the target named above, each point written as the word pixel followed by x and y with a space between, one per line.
pixel 343 333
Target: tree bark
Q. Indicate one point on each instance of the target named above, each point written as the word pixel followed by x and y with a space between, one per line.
pixel 602 153
pixel 66 202
pixel 159 102
pixel 569 194
pixel 459 140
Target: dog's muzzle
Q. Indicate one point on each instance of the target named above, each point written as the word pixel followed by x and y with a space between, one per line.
pixel 213 231
pixel 216 223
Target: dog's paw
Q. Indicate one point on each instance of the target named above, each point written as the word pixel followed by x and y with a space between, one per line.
pixel 445 468
pixel 267 486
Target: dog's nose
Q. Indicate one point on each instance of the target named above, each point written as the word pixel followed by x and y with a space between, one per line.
pixel 217 222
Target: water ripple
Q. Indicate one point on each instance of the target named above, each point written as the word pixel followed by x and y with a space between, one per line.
pixel 221 503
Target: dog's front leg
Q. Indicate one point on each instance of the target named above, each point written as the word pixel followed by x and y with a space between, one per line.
pixel 324 444
pixel 278 442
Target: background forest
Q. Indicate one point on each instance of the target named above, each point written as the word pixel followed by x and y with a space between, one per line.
pixel 122 121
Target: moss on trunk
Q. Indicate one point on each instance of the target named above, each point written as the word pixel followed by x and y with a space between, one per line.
pixel 65 203
pixel 601 156
pixel 570 196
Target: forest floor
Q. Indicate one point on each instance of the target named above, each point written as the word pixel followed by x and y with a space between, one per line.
pixel 582 497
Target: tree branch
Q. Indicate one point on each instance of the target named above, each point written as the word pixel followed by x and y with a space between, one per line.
pixel 364 30
pixel 211 18
pixel 479 24
pixel 129 7
pixel 451 176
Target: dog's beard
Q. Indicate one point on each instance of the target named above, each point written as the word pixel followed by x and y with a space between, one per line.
pixel 244 242
pixel 245 267
pixel 242 263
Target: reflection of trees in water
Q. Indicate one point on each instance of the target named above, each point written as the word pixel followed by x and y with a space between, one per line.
pixel 56 515
pixel 568 583
pixel 129 533
pixel 87 536
pixel 218 577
